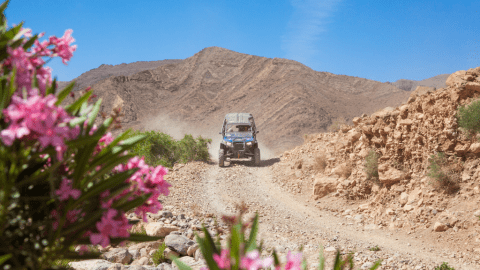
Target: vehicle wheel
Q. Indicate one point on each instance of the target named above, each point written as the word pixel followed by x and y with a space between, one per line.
pixel 256 157
pixel 221 157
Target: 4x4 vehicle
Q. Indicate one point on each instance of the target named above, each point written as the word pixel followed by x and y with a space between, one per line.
pixel 239 139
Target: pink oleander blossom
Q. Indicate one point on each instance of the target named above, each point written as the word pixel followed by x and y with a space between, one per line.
pixel 65 191
pixel 223 260
pixel 110 226
pixel 294 262
pixel 252 261
pixel 40 119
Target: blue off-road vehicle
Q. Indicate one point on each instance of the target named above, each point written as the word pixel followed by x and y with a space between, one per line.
pixel 239 139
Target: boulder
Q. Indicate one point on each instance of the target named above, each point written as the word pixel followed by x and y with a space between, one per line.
pixel 118 255
pixel 141 261
pixel 403 198
pixel 391 176
pixel 353 135
pixel 439 227
pixel 456 78
pixel 91 265
pixel 475 148
pixel 324 185
pixel 159 229
pixel 178 243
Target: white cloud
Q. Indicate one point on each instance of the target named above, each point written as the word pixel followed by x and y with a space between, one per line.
pixel 308 21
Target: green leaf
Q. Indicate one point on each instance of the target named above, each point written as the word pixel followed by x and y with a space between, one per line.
pixel 64 93
pixel 113 181
pixel 181 265
pixel 276 261
pixel 137 237
pixel 94 112
pixel 376 265
pixel 133 203
pixel 79 226
pixel 5 258
pixel 252 241
pixel 236 242
pixel 321 265
pixel 75 107
pixel 4 6
pixel 207 249
pixel 107 168
pixel 30 42
pixel 133 140
pixel 77 121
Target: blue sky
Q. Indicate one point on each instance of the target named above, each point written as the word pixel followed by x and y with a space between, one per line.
pixel 378 40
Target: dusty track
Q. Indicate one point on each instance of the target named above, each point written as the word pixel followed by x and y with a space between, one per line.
pixel 288 222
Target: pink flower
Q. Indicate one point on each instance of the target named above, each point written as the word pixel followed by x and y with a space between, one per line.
pixel 294 262
pixel 252 261
pixel 223 260
pixel 110 227
pixel 65 191
pixel 63 48
pixel 13 131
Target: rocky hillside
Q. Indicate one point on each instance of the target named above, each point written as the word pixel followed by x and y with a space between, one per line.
pixel 410 85
pixel 330 167
pixel 286 98
pixel 104 71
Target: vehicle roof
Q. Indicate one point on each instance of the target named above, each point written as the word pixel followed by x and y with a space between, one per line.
pixel 238 118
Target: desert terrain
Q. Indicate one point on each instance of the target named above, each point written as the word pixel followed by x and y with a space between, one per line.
pixel 311 188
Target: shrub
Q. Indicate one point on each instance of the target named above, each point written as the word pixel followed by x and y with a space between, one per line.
pixel 65 182
pixel 158 256
pixel 444 266
pixel 375 248
pixel 320 163
pixel 444 173
pixel 161 149
pixel 337 124
pixel 468 118
pixel 371 165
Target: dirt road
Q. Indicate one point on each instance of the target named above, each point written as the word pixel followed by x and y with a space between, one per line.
pixel 288 222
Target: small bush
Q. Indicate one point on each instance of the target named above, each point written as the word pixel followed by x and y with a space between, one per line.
pixel 444 173
pixel 375 248
pixel 158 257
pixel 371 165
pixel 161 149
pixel 337 124
pixel 444 266
pixel 468 118
pixel 320 163
pixel 346 170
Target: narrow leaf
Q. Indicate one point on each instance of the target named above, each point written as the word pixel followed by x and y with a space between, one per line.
pixel 64 93
pixel 5 258
pixel 181 265
pixel 252 241
pixel 75 107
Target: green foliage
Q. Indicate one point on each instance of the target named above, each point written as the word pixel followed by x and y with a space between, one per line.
pixel 375 248
pixel 443 172
pixel 444 266
pixel 371 165
pixel 161 149
pixel 30 177
pixel 158 257
pixel 468 118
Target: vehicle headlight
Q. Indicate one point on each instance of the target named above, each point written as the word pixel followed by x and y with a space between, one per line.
pixel 249 143
pixel 229 144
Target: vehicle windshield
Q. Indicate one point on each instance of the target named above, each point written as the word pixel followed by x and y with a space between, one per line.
pixel 238 128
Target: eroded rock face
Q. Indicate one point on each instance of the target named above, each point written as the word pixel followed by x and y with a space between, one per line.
pixel 391 176
pixel 323 186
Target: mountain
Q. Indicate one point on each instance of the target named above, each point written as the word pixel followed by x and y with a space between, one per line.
pixel 104 71
pixel 287 99
pixel 410 85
